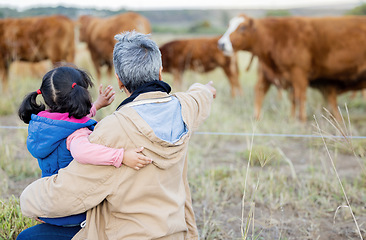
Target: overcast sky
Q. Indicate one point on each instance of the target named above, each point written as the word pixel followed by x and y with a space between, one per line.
pixel 173 4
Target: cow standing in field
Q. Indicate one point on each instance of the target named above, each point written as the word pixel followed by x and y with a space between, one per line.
pixel 327 53
pixel 98 33
pixel 201 55
pixel 329 88
pixel 35 39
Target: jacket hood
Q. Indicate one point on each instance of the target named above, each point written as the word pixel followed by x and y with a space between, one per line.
pixel 45 134
pixel 164 154
pixel 161 122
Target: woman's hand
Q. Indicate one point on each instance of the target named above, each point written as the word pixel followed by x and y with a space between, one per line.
pixel 210 87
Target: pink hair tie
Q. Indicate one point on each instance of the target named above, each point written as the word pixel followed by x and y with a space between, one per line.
pixel 39 91
pixel 73 85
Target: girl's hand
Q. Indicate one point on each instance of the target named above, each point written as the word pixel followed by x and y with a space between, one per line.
pixel 133 158
pixel 105 98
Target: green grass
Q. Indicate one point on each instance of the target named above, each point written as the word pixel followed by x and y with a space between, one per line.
pixel 12 222
pixel 262 155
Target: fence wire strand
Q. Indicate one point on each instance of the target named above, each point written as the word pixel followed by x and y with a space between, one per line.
pixel 243 134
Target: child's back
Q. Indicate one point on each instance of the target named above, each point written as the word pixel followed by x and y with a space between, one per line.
pixel 65 93
pixel 47 134
pixel 64 90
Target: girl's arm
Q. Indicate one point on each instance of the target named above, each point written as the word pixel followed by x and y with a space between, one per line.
pixel 89 153
pixel 93 112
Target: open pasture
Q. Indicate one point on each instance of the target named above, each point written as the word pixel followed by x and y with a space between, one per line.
pixel 246 182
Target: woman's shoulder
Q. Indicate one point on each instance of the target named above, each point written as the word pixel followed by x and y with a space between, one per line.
pixel 108 123
pixel 108 131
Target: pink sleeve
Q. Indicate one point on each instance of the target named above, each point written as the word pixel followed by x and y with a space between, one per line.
pixel 93 111
pixel 86 152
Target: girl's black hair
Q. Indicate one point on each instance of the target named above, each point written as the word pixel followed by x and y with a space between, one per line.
pixel 64 90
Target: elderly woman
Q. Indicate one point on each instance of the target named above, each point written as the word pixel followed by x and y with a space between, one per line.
pixel 122 203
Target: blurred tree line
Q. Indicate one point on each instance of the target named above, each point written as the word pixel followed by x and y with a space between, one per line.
pixel 278 13
pixel 172 21
pixel 175 21
pixel 360 10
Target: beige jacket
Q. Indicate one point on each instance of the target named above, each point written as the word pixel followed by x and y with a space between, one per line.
pixel 121 203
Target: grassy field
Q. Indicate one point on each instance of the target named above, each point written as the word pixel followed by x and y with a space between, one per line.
pixel 246 182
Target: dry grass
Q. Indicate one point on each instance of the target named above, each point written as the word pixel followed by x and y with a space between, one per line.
pixel 243 187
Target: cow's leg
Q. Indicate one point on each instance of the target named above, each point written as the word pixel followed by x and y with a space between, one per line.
pixel 110 71
pixel 70 55
pixel 177 80
pixel 279 93
pixel 293 102
pixel 363 92
pixel 4 77
pixel 354 94
pixel 4 80
pixel 300 85
pixel 232 73
pixel 260 90
pixel 330 95
pixel 96 66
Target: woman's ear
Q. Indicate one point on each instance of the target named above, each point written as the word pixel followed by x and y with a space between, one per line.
pixel 120 84
pixel 160 73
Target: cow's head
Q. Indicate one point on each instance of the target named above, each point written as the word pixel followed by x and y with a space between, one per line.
pixel 237 36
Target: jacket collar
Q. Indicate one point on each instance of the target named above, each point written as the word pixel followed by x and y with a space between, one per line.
pixel 151 86
pixel 150 97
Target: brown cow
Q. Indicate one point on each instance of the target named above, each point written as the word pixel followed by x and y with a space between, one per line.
pixel 329 88
pixel 300 50
pixel 201 55
pixel 35 39
pixel 99 34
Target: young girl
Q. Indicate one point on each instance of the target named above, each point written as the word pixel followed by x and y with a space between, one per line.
pixel 65 93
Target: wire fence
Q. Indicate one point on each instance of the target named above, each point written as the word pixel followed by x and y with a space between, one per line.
pixel 244 134
pixel 12 127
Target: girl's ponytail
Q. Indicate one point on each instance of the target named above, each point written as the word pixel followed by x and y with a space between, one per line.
pixel 64 90
pixel 29 106
pixel 79 102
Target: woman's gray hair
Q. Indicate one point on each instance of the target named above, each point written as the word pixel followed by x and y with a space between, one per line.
pixel 136 59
